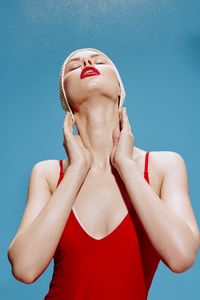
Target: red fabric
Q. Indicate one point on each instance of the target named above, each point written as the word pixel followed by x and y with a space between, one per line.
pixel 119 266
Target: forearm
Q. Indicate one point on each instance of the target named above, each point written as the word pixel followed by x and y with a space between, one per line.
pixel 168 232
pixel 33 248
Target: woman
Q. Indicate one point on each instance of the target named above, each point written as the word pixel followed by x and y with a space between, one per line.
pixel 109 212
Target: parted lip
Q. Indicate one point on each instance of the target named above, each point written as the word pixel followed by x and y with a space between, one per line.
pixel 88 70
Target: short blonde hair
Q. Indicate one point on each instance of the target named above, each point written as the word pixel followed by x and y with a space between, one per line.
pixel 63 98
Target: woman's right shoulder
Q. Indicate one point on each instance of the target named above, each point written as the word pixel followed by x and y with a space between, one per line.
pixel 47 166
pixel 50 169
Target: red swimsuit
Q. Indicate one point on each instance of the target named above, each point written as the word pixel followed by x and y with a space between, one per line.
pixel 118 266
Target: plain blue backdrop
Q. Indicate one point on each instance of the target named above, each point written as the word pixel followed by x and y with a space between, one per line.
pixel 155 45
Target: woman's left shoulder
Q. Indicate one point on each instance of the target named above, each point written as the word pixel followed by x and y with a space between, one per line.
pixel 168 162
pixel 159 162
pixel 162 157
pixel 166 158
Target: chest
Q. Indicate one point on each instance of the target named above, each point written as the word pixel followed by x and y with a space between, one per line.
pixel 100 205
pixel 103 204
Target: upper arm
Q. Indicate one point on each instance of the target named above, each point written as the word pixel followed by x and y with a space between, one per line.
pixel 38 195
pixel 175 190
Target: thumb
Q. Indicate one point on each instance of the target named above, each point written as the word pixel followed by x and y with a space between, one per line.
pixel 116 134
pixel 79 140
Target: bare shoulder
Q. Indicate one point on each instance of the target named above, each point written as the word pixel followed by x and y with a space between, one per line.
pixel 171 164
pixel 50 169
pixel 168 159
pixel 175 172
pixel 45 166
pixel 160 163
pixel 167 156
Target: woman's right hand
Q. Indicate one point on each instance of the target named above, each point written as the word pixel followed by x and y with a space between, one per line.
pixel 77 153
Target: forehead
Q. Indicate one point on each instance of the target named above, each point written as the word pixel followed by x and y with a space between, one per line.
pixel 83 53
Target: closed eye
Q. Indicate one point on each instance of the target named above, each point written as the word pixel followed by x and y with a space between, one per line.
pixel 75 68
pixel 79 66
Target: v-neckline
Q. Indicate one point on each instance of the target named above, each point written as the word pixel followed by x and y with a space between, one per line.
pixel 103 238
pixel 74 214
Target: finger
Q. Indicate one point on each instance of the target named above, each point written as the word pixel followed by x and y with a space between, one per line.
pixel 116 134
pixel 126 120
pixel 65 121
pixel 72 121
pixel 66 128
pixel 69 120
pixel 79 140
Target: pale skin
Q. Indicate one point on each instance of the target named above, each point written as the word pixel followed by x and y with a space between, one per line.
pixel 164 206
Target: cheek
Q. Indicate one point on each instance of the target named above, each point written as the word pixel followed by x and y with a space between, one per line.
pixel 111 78
pixel 66 84
pixel 113 74
pixel 70 84
pixel 109 73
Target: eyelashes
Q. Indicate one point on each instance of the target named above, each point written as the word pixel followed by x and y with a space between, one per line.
pixel 75 68
pixel 95 63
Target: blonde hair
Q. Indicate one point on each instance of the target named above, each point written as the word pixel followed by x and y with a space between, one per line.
pixel 63 98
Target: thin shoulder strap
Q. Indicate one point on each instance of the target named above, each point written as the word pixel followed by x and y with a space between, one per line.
pixel 61 166
pixel 146 162
pixel 146 172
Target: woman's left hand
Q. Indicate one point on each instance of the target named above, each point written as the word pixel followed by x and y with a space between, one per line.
pixel 123 141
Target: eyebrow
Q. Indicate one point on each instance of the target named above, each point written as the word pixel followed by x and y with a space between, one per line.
pixel 78 58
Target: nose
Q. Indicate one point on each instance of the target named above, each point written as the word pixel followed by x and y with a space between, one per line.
pixel 86 61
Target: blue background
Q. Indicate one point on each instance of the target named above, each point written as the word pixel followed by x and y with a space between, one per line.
pixel 156 48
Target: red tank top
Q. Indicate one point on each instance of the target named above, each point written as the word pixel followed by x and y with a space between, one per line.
pixel 119 266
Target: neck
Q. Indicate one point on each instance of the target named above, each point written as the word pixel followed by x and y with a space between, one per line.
pixel 95 126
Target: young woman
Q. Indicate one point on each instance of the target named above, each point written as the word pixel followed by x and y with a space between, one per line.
pixel 109 212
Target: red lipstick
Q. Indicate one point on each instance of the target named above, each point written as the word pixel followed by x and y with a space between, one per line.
pixel 89 71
